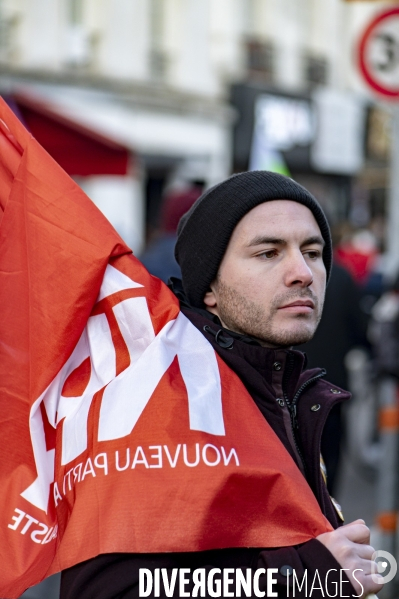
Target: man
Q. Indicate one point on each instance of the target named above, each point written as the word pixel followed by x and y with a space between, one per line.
pixel 255 255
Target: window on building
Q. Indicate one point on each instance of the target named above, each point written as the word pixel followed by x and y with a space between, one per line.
pixel 75 10
pixel 157 57
pixel 260 59
pixel 78 42
pixel 8 24
pixel 316 70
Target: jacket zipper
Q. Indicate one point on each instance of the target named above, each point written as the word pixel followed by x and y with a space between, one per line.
pixel 292 407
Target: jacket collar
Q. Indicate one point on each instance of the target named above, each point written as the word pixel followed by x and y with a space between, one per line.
pixel 236 349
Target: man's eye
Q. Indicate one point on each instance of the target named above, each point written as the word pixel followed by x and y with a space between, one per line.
pixel 313 254
pixel 268 254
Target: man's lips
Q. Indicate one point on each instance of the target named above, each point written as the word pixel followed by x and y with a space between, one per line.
pixel 304 306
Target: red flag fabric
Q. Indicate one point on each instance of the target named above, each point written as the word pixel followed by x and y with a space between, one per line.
pixel 122 430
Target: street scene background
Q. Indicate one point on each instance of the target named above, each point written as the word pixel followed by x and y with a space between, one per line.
pixel 146 103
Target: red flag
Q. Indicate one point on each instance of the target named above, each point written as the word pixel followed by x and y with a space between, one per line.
pixel 122 430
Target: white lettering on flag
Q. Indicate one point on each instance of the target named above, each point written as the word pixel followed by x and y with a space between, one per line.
pixel 135 324
pixel 96 344
pixel 126 395
pixel 114 280
pixel 133 388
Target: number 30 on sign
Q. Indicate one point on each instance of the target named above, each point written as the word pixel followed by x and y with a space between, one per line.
pixel 379 53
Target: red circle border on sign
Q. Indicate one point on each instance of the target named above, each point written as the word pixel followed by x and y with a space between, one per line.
pixel 362 49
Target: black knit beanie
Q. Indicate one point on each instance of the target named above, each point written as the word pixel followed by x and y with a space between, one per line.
pixel 205 230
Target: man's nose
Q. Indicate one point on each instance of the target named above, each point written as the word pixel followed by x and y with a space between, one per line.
pixel 298 271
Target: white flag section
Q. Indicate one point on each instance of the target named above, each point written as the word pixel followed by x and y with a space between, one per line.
pixel 126 395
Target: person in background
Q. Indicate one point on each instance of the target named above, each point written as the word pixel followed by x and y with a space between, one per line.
pixel 360 254
pixel 342 327
pixel 384 332
pixel 159 258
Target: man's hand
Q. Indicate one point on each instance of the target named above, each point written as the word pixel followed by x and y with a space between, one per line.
pixel 349 545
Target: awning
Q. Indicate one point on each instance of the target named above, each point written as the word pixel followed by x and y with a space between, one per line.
pixel 80 151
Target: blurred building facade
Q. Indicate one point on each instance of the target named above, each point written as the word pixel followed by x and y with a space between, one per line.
pixel 160 93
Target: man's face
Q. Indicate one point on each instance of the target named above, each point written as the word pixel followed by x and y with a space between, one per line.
pixel 271 281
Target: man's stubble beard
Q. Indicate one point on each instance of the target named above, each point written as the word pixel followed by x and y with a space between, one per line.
pixel 244 316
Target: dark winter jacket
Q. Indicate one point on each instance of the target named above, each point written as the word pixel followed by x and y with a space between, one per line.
pixel 275 379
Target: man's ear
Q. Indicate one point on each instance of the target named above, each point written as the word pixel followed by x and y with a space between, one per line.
pixel 210 299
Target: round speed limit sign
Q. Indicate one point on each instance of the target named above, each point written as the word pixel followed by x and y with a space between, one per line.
pixel 379 53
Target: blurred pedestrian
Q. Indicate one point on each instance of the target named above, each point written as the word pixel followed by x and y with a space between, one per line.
pixel 159 257
pixel 342 327
pixel 384 332
pixel 358 254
